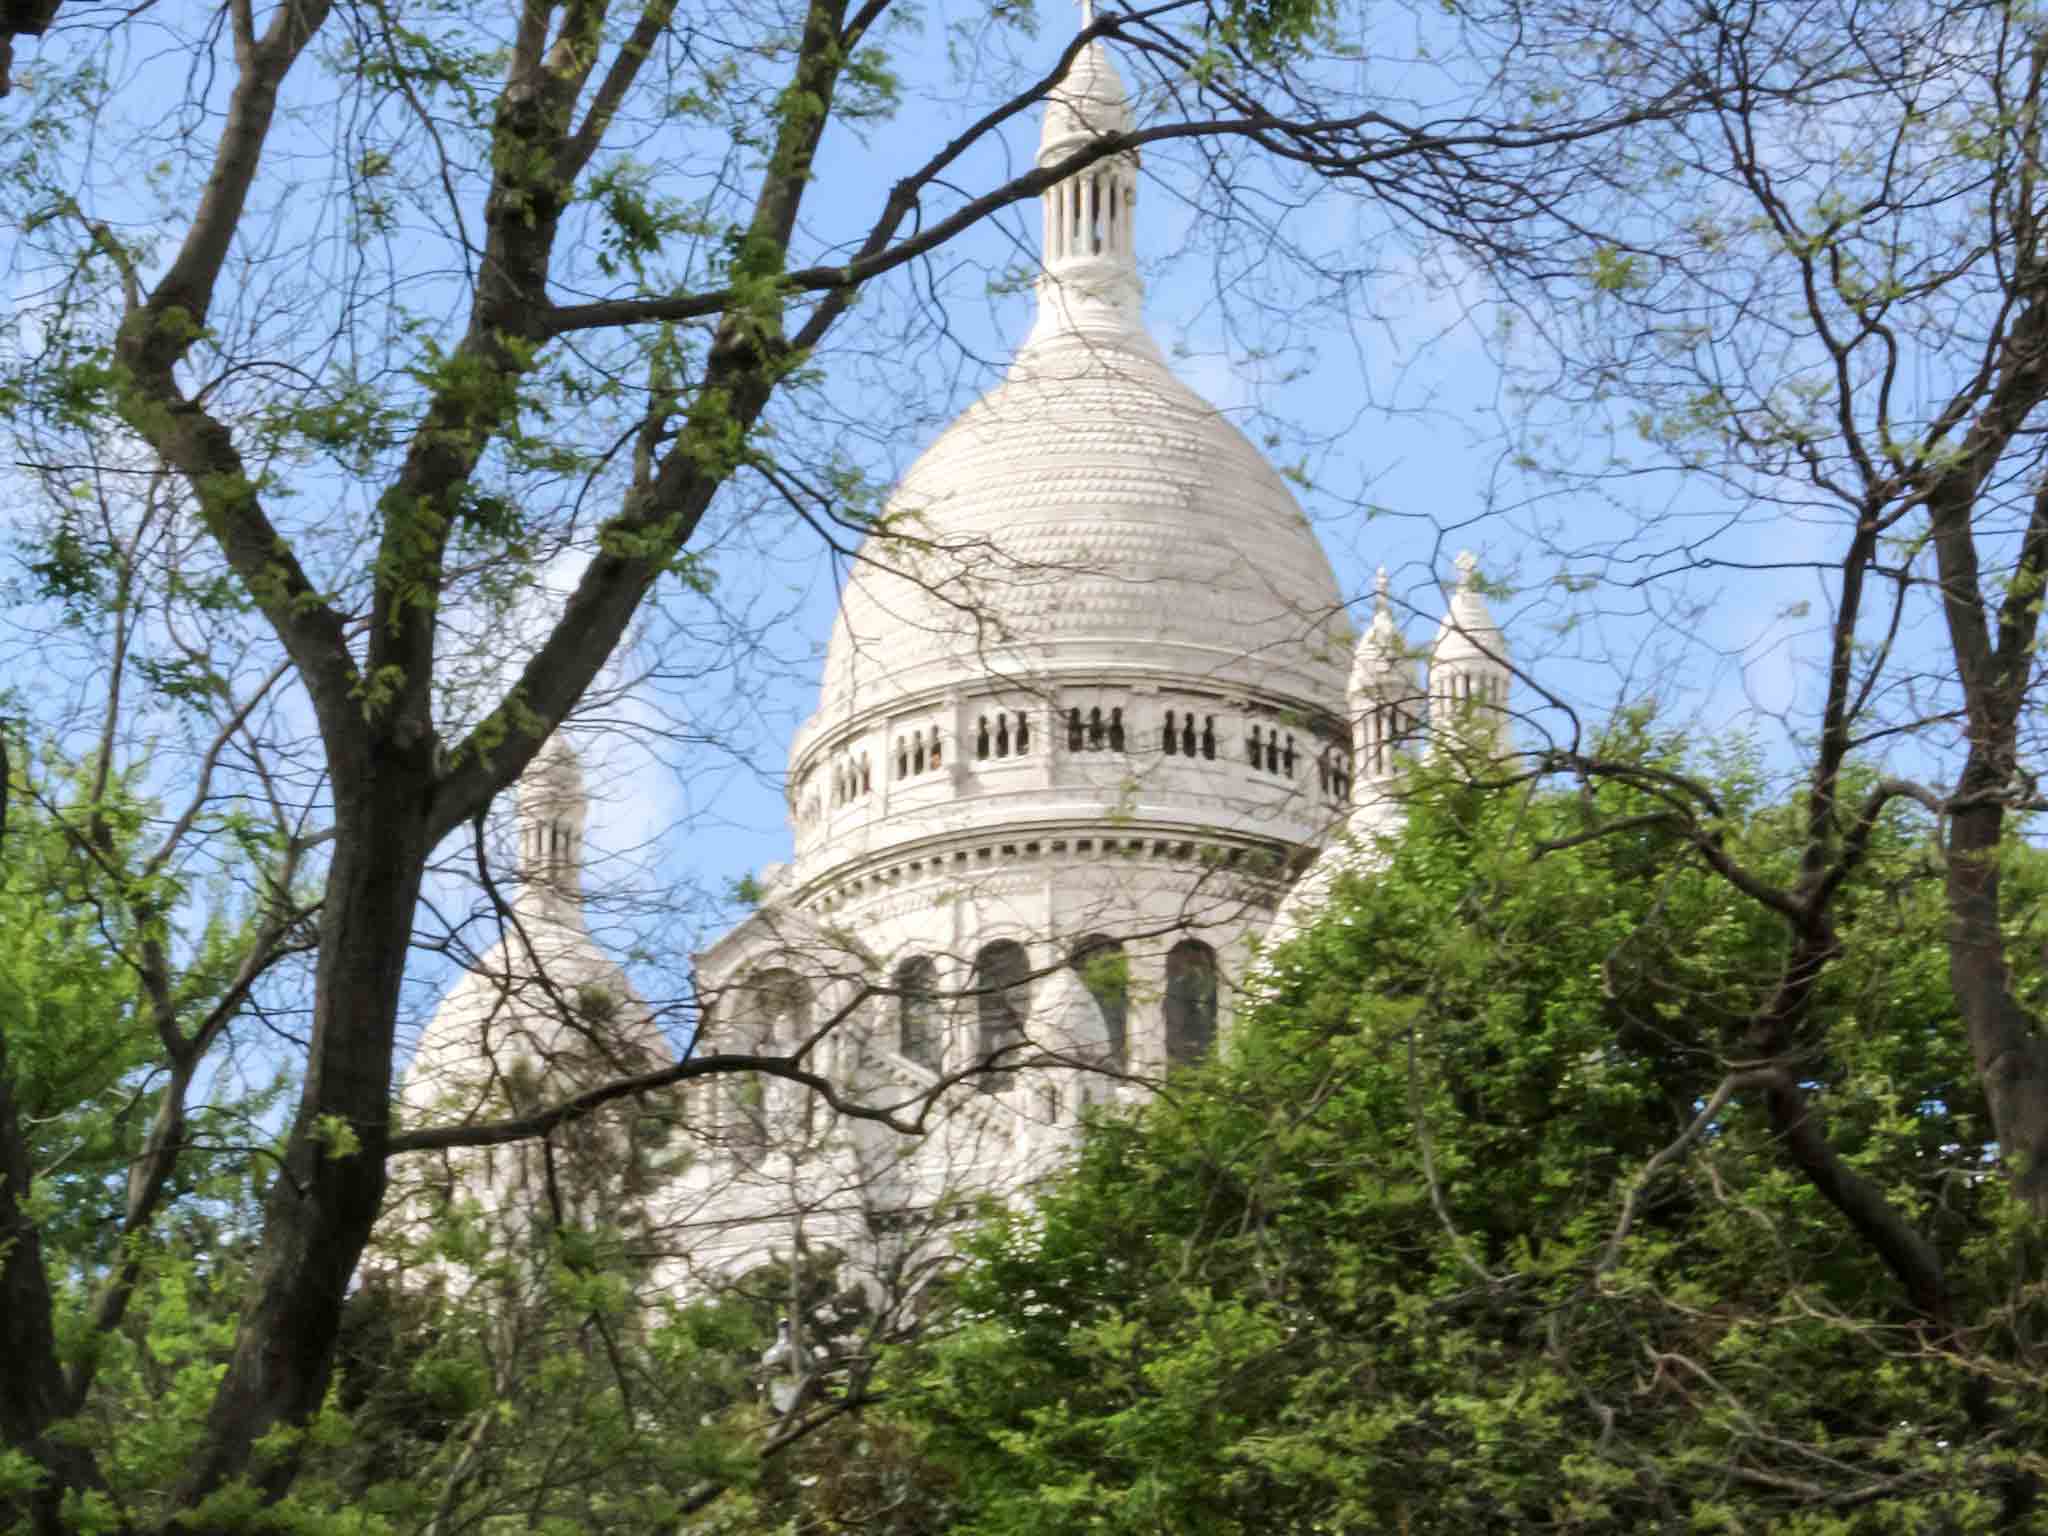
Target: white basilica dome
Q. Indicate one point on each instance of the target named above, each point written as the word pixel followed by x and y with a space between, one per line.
pixel 1091 604
pixel 1089 511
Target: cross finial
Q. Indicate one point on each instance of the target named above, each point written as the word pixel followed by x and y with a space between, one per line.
pixel 1087 13
pixel 1468 565
pixel 1379 592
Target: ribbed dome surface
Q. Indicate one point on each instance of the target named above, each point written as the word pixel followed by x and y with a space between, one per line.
pixel 1090 511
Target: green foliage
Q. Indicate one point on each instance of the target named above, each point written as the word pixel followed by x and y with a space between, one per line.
pixel 1106 972
pixel 536 1390
pixel 1369 1270
pixel 78 905
pixel 76 1040
pixel 1267 29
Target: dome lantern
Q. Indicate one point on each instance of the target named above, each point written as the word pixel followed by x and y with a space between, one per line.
pixel 553 807
pixel 1089 281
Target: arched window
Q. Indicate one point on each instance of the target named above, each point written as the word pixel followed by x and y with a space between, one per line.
pixel 1209 737
pixel 917 1011
pixel 1190 1001
pixel 1002 735
pixel 1023 733
pixel 981 739
pixel 917 753
pixel 1116 730
pixel 1073 730
pixel 1095 729
pixel 774 1016
pixel 1169 739
pixel 1100 963
pixel 935 746
pixel 1001 1001
pixel 1254 750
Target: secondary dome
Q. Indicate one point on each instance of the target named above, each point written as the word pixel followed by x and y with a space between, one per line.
pixel 1090 511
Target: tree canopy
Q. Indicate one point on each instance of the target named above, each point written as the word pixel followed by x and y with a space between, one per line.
pixel 1469 1229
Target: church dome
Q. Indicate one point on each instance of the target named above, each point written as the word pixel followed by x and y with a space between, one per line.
pixel 545 1001
pixel 1093 612
pixel 1090 510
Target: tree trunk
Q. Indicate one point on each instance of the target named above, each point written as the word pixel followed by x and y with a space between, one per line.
pixel 2011 1057
pixel 323 1202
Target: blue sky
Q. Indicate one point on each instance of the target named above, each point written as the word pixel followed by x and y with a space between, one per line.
pixel 1391 402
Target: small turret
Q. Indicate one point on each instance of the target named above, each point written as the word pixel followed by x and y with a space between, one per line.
pixel 1385 696
pixel 1469 668
pixel 1090 282
pixel 553 807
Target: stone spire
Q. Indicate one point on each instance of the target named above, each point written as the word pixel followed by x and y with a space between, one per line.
pixel 1090 284
pixel 1385 696
pixel 1469 672
pixel 552 809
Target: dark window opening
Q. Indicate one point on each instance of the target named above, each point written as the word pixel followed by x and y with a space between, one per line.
pixel 776 1015
pixel 917 1011
pixel 1001 1002
pixel 1190 1001
pixel 1101 964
